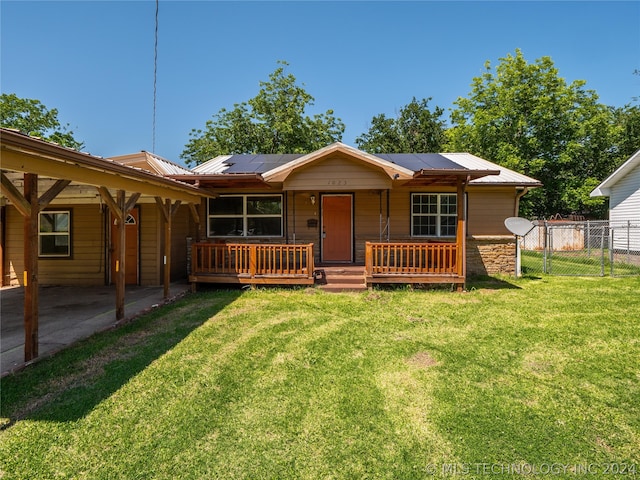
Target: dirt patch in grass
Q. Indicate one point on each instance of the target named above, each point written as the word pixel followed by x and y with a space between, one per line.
pixel 418 320
pixel 423 360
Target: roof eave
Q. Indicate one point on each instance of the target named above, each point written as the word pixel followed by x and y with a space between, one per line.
pixel 604 189
pixel 472 174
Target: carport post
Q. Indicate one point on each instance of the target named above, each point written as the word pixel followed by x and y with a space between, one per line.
pixel 168 211
pixel 120 255
pixel 31 268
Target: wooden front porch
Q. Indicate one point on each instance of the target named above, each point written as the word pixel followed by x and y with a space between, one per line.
pixel 275 264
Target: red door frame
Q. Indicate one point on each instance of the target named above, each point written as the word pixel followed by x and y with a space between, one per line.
pixel 345 236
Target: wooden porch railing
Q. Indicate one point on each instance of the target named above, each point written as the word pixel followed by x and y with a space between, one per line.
pixel 441 260
pixel 252 263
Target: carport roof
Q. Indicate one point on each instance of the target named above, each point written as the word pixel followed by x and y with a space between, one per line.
pixel 23 153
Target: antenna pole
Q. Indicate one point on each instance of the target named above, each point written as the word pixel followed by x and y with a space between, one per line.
pixel 155 78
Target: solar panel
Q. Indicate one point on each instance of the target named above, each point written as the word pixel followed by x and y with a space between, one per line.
pixel 258 163
pixel 420 161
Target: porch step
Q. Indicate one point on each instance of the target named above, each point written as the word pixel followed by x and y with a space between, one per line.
pixel 340 279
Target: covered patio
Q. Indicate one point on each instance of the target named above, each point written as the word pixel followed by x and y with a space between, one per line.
pixel 69 314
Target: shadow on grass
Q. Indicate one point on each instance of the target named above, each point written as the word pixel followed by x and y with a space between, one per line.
pixel 486 282
pixel 67 386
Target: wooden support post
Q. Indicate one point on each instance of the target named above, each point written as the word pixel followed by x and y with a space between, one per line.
pixel 461 234
pixel 3 229
pixel 31 268
pixel 168 211
pixel 120 255
pixel 167 249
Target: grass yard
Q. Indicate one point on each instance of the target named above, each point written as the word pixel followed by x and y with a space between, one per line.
pixel 535 378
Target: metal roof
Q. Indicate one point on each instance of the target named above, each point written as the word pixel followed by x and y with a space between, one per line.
pixel 164 166
pixel 506 176
pixel 245 163
pixel 416 162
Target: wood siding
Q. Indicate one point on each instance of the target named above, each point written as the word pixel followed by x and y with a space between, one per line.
pixel 86 266
pixel 337 174
pixel 624 209
pixel 150 245
pixel 488 208
pixel 182 226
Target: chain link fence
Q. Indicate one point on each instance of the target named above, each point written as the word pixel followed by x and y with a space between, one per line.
pixel 584 248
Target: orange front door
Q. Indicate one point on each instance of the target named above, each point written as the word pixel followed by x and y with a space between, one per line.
pixel 337 228
pixel 131 248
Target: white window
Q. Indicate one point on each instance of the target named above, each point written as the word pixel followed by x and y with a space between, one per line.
pixel 54 234
pixel 434 214
pixel 245 216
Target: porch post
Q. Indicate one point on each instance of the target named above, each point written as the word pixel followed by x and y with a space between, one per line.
pixel 30 238
pixel 461 235
pixel 120 254
pixel 3 221
pixel 168 211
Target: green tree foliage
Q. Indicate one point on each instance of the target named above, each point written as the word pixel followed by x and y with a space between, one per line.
pixel 274 121
pixel 415 130
pixel 33 118
pixel 627 120
pixel 524 116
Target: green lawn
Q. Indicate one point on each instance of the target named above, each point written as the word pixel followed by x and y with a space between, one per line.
pixel 539 376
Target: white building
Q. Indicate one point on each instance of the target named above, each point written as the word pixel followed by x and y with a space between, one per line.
pixel 623 189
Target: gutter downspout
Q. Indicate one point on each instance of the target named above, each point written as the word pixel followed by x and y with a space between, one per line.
pixel 388 217
pixel 519 195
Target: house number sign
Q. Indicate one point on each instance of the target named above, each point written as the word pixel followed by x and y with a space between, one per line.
pixel 337 182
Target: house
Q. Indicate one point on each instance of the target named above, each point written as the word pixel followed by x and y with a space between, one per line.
pixel 404 218
pixel 623 189
pixel 72 218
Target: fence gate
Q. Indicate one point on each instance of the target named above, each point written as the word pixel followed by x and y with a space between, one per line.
pixel 590 248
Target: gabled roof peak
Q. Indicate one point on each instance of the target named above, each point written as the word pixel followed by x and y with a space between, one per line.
pixel 280 173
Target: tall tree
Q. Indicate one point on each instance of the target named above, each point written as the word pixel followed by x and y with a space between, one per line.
pixel 416 129
pixel 30 116
pixel 525 117
pixel 628 122
pixel 274 121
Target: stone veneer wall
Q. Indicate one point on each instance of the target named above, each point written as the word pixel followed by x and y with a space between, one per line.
pixel 488 255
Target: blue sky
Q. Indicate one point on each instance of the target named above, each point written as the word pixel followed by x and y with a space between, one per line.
pixel 93 60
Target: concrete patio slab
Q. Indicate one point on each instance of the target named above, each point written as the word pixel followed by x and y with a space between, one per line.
pixel 68 314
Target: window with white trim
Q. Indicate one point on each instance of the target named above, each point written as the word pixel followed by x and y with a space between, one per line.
pixel 434 214
pixel 54 233
pixel 245 216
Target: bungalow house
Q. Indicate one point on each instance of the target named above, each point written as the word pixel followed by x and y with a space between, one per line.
pixel 623 189
pixel 70 218
pixel 401 218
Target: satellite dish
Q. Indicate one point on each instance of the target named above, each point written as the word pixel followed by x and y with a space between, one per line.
pixel 519 226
